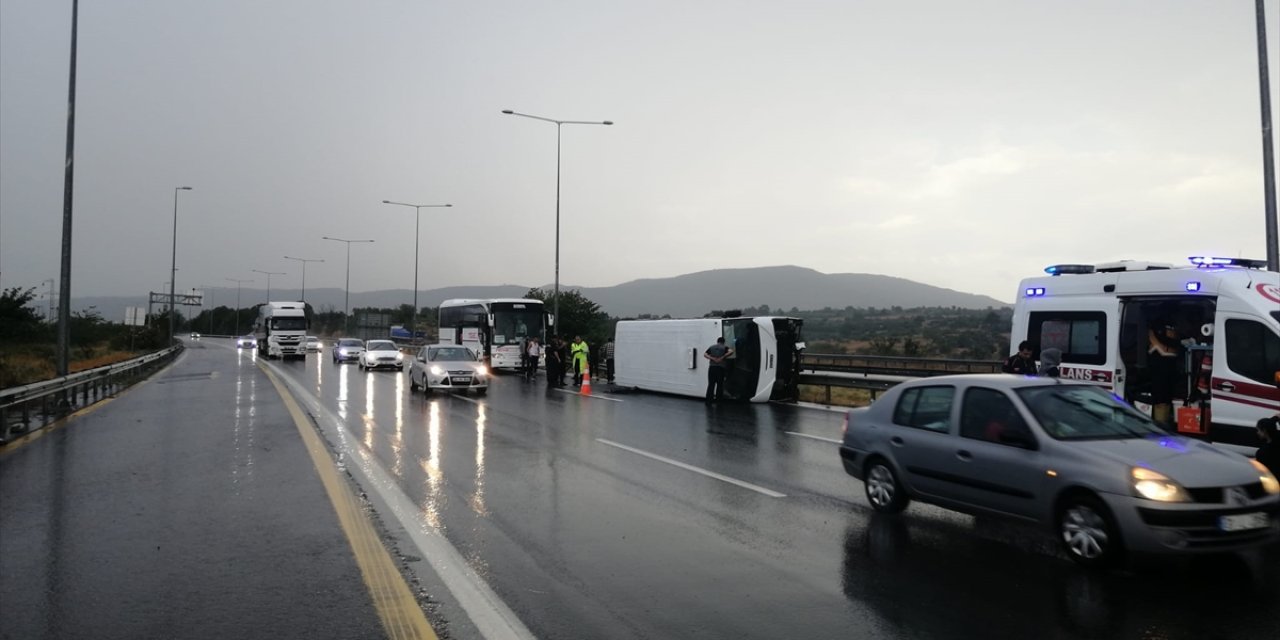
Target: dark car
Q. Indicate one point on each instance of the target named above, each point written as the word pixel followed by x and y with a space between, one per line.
pixel 1070 456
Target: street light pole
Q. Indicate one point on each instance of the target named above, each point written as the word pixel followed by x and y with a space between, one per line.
pixel 173 262
pixel 304 262
pixel 269 274
pixel 238 283
pixel 417 211
pixel 556 305
pixel 346 304
pixel 1268 156
pixel 68 181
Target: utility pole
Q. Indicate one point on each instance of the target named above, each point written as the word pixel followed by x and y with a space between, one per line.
pixel 1268 155
pixel 64 294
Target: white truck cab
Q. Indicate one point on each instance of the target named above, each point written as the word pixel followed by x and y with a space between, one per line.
pixel 1226 315
pixel 281 330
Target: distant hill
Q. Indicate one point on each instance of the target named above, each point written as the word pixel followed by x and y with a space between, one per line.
pixel 692 294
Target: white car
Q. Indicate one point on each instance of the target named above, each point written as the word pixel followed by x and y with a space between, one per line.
pixel 448 367
pixel 313 343
pixel 347 349
pixel 246 342
pixel 381 353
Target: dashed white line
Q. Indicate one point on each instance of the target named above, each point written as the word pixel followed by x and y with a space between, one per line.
pixel 805 435
pixel 688 467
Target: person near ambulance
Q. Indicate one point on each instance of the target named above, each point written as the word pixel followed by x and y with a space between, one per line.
pixel 1021 363
pixel 1164 351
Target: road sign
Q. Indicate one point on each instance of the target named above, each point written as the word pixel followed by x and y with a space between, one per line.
pixel 135 316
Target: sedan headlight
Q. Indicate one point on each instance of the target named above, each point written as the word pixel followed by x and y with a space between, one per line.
pixel 1154 485
pixel 482 370
pixel 1268 479
pixel 399 357
pixel 436 370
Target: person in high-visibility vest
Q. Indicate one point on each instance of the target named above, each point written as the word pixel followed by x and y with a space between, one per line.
pixel 579 351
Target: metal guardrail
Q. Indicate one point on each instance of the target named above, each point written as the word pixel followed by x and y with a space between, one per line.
pixel 880 373
pixel 45 401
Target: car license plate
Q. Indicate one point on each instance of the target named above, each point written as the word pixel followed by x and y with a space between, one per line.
pixel 461 380
pixel 1242 522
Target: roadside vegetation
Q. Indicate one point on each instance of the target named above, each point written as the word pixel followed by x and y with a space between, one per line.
pixel 28 342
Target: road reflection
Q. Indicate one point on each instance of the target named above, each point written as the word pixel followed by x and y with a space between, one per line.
pixel 244 425
pixel 939 581
pixel 433 507
pixel 344 392
pixel 369 424
pixel 477 498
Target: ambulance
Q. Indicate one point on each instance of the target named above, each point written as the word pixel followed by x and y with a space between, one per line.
pixel 1225 318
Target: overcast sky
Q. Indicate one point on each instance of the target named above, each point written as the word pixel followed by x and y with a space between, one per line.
pixel 960 144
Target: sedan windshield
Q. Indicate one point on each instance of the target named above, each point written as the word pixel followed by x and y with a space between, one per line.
pixel 1081 412
pixel 451 354
pixel 380 345
pixel 350 342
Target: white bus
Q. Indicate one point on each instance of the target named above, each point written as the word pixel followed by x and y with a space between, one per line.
pixel 495 327
pixel 666 356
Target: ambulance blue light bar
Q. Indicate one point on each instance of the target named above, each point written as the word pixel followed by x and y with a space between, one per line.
pixel 1060 269
pixel 1213 261
pixel 1193 286
pixel 1033 292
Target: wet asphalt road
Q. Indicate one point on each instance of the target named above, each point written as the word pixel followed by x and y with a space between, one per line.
pixel 586 539
pixel 189 509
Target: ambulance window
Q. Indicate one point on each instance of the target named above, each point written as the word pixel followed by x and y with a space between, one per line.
pixel 1081 335
pixel 1253 351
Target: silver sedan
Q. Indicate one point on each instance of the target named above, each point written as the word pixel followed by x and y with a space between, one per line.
pixel 1071 457
pixel 448 367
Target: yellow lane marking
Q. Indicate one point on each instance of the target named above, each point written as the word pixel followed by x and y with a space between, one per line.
pixel 401 616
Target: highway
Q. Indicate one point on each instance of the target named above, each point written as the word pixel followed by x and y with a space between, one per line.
pixel 544 513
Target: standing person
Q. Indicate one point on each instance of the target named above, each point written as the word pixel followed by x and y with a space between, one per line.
pixel 1269 453
pixel 608 360
pixel 1050 362
pixel 580 352
pixel 717 354
pixel 532 354
pixel 1163 353
pixel 554 363
pixel 1021 363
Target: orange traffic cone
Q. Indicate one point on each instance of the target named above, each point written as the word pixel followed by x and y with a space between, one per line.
pixel 586 381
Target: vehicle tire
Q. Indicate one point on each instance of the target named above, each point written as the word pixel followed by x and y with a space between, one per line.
pixel 883 490
pixel 413 383
pixel 1087 531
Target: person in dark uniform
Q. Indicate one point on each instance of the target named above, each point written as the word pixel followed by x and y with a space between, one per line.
pixel 1021 363
pixel 555 363
pixel 717 354
pixel 1269 453
pixel 1163 353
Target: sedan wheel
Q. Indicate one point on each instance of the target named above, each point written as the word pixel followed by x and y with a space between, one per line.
pixel 884 492
pixel 1088 533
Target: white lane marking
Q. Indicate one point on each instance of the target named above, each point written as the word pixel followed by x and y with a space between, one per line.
pixel 710 474
pixel 575 393
pixel 491 616
pixel 805 435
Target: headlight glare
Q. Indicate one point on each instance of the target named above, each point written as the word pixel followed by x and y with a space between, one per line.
pixel 1154 485
pixel 436 370
pixel 1268 479
pixel 482 370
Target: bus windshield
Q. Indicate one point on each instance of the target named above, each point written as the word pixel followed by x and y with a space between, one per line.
pixel 515 321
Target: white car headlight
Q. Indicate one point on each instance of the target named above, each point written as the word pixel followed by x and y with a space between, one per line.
pixel 1268 479
pixel 399 357
pixel 436 370
pixel 1154 485
pixel 482 370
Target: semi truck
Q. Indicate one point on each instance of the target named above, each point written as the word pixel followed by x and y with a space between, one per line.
pixel 281 330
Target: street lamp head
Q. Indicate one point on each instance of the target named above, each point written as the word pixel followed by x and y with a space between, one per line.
pixel 448 205
pixel 607 122
pixel 184 188
pixel 508 111
pixel 386 202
